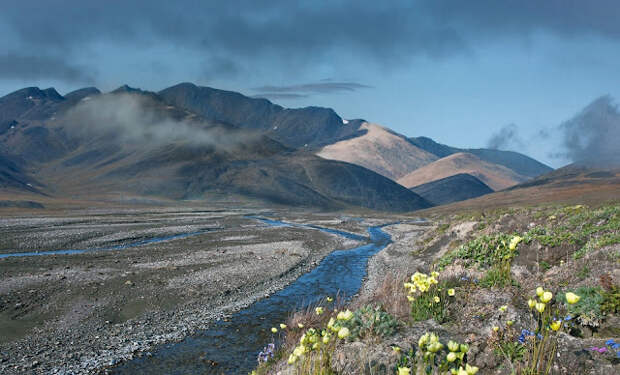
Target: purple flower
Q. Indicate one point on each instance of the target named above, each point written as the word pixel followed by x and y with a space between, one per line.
pixel 266 353
pixel 593 349
pixel 568 317
pixel 602 350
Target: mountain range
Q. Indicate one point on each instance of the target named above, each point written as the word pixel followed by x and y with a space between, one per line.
pixel 191 142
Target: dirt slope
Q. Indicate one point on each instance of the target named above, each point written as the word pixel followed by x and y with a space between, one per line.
pixel 497 177
pixel 379 150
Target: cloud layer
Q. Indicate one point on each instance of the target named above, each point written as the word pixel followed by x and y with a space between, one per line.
pixel 284 34
pixel 307 89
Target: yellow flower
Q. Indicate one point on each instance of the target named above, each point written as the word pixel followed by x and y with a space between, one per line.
pixel 546 297
pixel 274 330
pixel 300 325
pixel 318 310
pixel 509 323
pixel 396 349
pixel 435 347
pixel 540 307
pixel 345 315
pixel 451 357
pixel 326 339
pixel 531 303
pixel 329 299
pixel 282 326
pixel 423 339
pixel 556 325
pixel 453 346
pixel 471 370
pixel 451 292
pixel 410 298
pixel 514 242
pixel 572 298
pixel 495 328
pixel 404 371
pixel 434 274
pixel 299 350
pixel 461 371
pixel 464 349
pixel 292 359
pixel 343 332
pixel 503 308
pixel 331 323
pixel 539 291
pixel 436 299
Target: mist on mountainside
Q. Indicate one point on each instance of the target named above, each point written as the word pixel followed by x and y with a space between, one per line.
pixel 136 119
pixel 593 135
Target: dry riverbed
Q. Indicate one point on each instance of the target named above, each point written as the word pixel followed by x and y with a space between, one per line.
pixel 81 313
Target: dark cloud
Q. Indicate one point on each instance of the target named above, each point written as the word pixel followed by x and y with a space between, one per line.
pixel 280 96
pixel 27 67
pixel 323 87
pixel 217 67
pixel 593 135
pixel 294 35
pixel 506 138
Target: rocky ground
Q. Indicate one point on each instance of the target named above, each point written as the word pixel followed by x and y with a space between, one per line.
pixel 563 248
pixel 81 313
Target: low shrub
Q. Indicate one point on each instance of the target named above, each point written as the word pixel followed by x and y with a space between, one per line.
pixel 371 321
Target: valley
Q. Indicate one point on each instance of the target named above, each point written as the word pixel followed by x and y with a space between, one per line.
pixel 86 311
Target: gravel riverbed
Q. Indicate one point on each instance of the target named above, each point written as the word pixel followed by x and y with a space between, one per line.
pixel 82 313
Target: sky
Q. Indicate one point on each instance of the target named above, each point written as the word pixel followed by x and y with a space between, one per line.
pixel 487 73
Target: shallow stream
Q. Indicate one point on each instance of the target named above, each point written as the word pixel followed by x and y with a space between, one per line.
pixel 233 344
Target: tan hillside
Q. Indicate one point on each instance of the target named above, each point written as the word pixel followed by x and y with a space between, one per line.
pixel 379 150
pixel 497 177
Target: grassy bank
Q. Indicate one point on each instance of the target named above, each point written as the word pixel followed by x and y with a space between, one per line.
pixel 510 291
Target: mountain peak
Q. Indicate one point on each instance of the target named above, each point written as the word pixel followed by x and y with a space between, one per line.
pixel 82 93
pixel 126 89
pixel 34 93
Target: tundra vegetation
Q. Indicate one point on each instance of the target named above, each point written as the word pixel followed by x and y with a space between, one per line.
pixel 522 291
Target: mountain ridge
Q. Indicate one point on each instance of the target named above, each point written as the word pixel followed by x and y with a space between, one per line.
pixel 455 188
pixel 497 177
pixel 76 146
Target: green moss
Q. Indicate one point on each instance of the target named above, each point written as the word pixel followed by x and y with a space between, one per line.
pixel 611 301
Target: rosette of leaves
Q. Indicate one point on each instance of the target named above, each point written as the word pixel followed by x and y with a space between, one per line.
pixel 588 310
pixel 371 321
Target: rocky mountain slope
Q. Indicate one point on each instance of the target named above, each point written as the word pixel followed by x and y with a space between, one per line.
pixel 300 127
pixel 136 142
pixel 450 189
